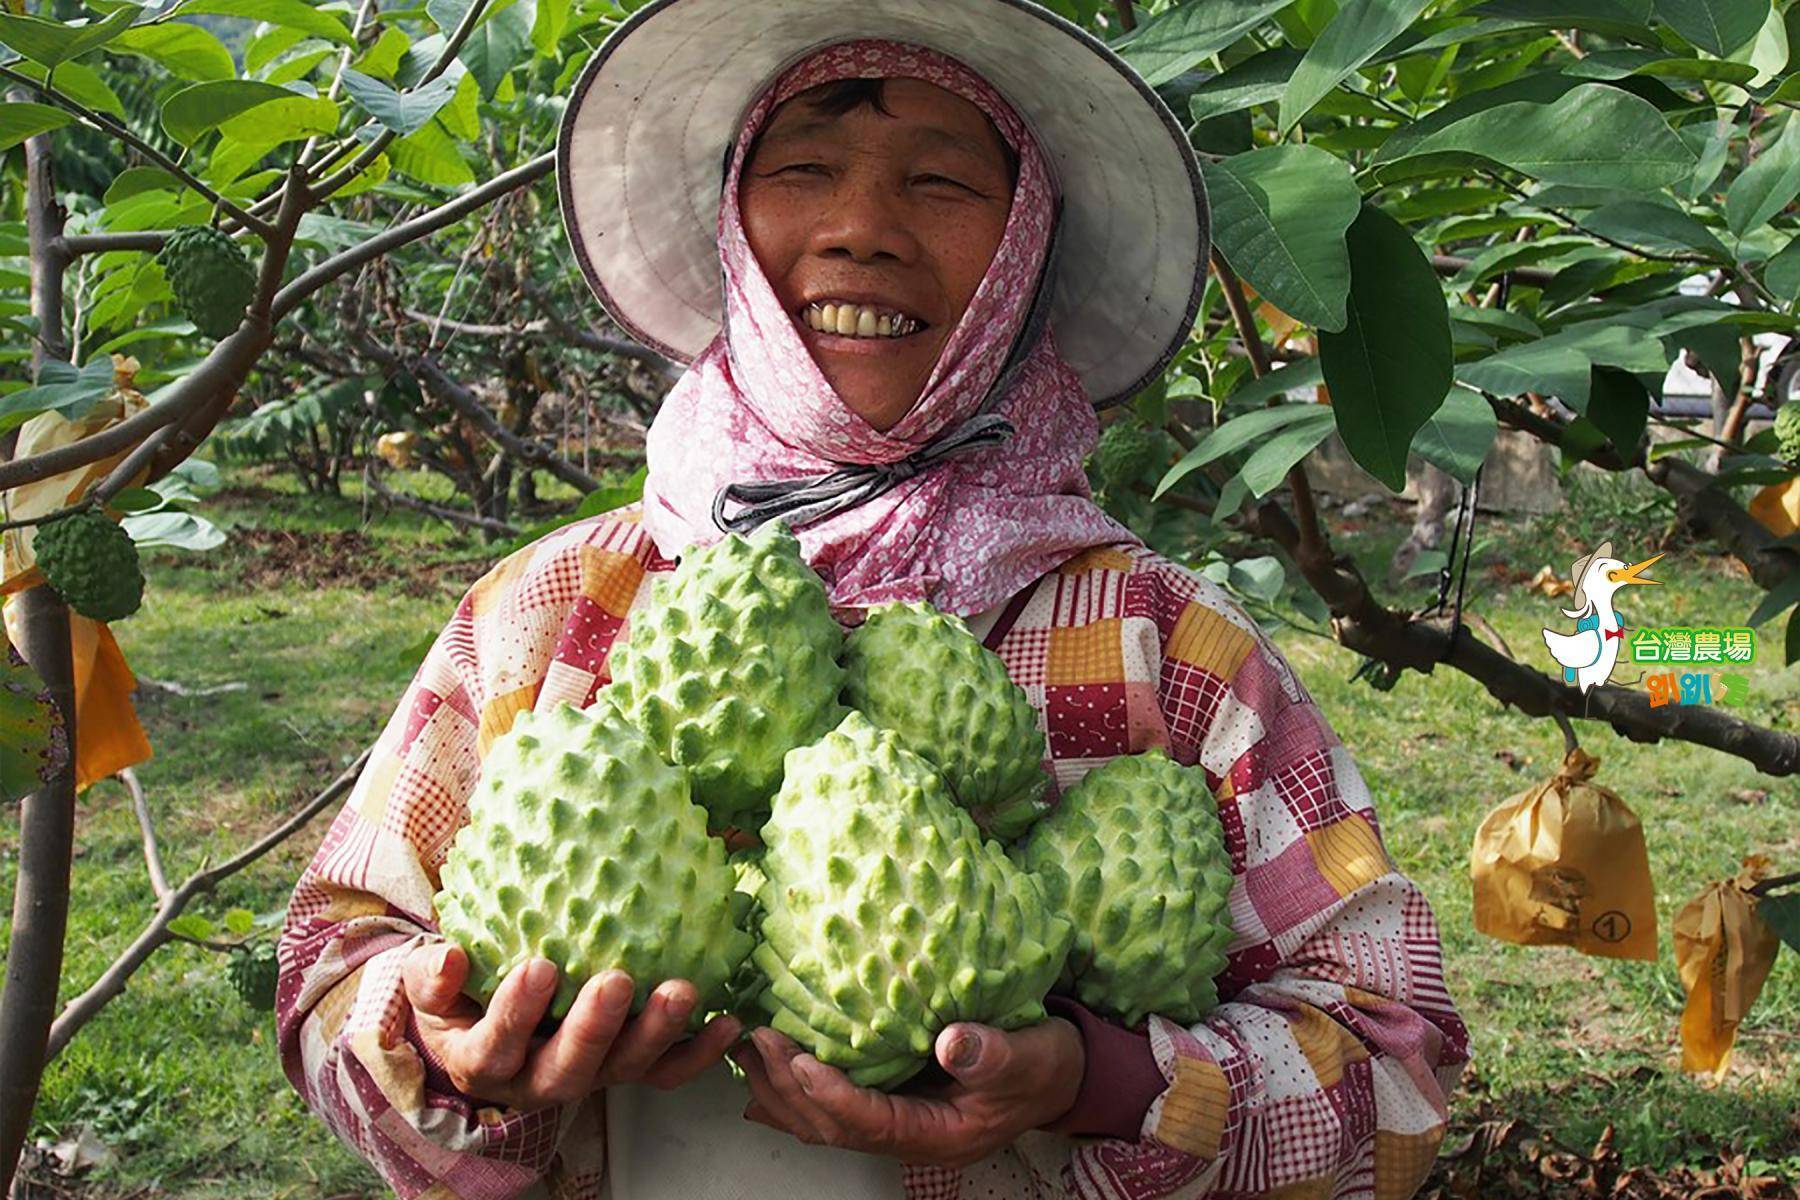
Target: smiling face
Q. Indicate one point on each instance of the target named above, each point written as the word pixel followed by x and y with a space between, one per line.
pixel 877 227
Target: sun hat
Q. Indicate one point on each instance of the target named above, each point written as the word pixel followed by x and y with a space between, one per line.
pixel 640 147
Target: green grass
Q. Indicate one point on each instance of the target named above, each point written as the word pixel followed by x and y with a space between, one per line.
pixel 179 1077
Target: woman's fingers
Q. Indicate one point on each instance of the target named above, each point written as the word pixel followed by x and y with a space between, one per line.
pixel 778 1053
pixel 484 1060
pixel 684 1060
pixel 766 1107
pixel 650 1034
pixel 565 1067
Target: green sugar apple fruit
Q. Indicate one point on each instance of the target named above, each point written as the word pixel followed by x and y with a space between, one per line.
pixel 1125 451
pixel 921 674
pixel 92 563
pixel 733 663
pixel 253 974
pixel 887 915
pixel 1787 432
pixel 1134 855
pixel 584 847
pixel 212 279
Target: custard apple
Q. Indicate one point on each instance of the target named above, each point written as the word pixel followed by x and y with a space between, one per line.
pixel 1787 432
pixel 887 915
pixel 584 847
pixel 1135 856
pixel 1125 451
pixel 211 277
pixel 922 674
pixel 732 663
pixel 253 973
pixel 92 563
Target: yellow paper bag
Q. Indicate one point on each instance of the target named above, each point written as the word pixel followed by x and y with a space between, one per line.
pixel 108 737
pixel 1724 952
pixel 1563 864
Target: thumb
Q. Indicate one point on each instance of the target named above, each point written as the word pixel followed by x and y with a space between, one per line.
pixel 434 974
pixel 974 1054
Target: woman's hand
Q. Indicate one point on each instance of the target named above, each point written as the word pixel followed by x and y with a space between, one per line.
pixel 1002 1084
pixel 496 1057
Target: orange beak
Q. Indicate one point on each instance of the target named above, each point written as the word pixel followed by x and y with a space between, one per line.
pixel 1630 574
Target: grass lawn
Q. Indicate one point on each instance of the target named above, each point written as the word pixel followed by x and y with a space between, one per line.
pixel 323 616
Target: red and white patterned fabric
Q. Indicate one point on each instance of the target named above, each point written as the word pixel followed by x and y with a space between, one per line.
pixel 755 406
pixel 1325 1072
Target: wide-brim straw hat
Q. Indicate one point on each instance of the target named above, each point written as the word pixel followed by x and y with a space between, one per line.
pixel 640 154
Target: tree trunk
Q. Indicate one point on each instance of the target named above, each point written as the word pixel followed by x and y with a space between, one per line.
pixel 1436 493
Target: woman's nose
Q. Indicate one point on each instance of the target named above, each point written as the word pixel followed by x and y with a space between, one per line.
pixel 863 218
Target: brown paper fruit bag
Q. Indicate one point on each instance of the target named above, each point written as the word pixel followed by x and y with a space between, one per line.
pixel 1563 864
pixel 1724 951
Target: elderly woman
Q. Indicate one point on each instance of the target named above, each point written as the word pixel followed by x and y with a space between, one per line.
pixel 945 233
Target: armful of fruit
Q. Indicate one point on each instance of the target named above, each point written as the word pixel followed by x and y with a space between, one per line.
pixel 498 1057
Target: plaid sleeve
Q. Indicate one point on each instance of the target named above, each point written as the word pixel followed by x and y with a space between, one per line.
pixel 1328 1068
pixel 532 631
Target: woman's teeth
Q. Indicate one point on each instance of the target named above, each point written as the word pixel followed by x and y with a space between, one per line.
pixel 859 320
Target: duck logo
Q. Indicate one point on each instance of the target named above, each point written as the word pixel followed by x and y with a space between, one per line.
pixel 1589 654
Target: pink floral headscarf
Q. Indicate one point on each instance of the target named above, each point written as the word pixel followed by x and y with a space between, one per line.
pixel 964 533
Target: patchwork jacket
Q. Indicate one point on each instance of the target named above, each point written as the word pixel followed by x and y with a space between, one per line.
pixel 1325 1072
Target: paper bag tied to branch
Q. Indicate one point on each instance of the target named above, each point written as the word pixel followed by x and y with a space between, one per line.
pixel 1724 951
pixel 1563 864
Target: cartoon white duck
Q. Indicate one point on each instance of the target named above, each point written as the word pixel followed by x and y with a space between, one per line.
pixel 1588 655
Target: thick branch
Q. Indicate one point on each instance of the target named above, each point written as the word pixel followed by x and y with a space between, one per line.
pixel 112 982
pixel 1725 520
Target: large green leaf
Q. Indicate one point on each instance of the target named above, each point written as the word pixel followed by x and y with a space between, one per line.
pixel 499 42
pixel 547 29
pixel 1619 404
pixel 1628 19
pixel 286 119
pixel 1658 228
pixel 60 388
pixel 79 82
pixel 186 50
pixel 20 119
pixel 1234 434
pixel 1781 913
pixel 1279 216
pixel 203 107
pixel 401 112
pixel 1594 134
pixel 383 58
pixel 180 530
pixel 33 746
pixel 1257 80
pixel 52 42
pixel 1360 29
pixel 430 156
pixel 1781 274
pixel 1768 185
pixel 1716 26
pixel 1390 367
pixel 1456 438
pixel 1275 456
pixel 290 14
pixel 1166 45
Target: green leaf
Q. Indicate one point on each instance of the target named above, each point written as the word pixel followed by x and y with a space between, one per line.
pixel 1257 80
pixel 1260 578
pixel 1716 26
pixel 547 29
pixel 1659 228
pixel 1279 216
pixel 1628 19
pixel 461 117
pixel 32 744
pixel 202 107
pixel 179 530
pixel 499 42
pixel 186 50
pixel 191 925
pixel 1278 382
pixel 1777 600
pixel 401 112
pixel 20 119
pixel 1389 370
pixel 290 14
pixel 381 60
pixel 1593 134
pixel 1175 40
pixel 53 42
pixel 1781 913
pixel 137 499
pixel 240 921
pixel 1457 437
pixel 1360 29
pixel 1619 404
pixel 266 46
pixel 430 156
pixel 1275 456
pixel 80 83
pixel 1766 186
pixel 1781 274
pixel 61 388
pixel 1234 434
pixel 287 119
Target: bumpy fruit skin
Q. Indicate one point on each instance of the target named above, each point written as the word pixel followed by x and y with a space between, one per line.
pixel 1134 855
pixel 253 975
pixel 1787 432
pixel 733 663
pixel 212 280
pixel 92 563
pixel 584 847
pixel 887 915
pixel 1125 451
pixel 921 674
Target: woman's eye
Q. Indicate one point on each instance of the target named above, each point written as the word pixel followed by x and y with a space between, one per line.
pixel 810 166
pixel 944 179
